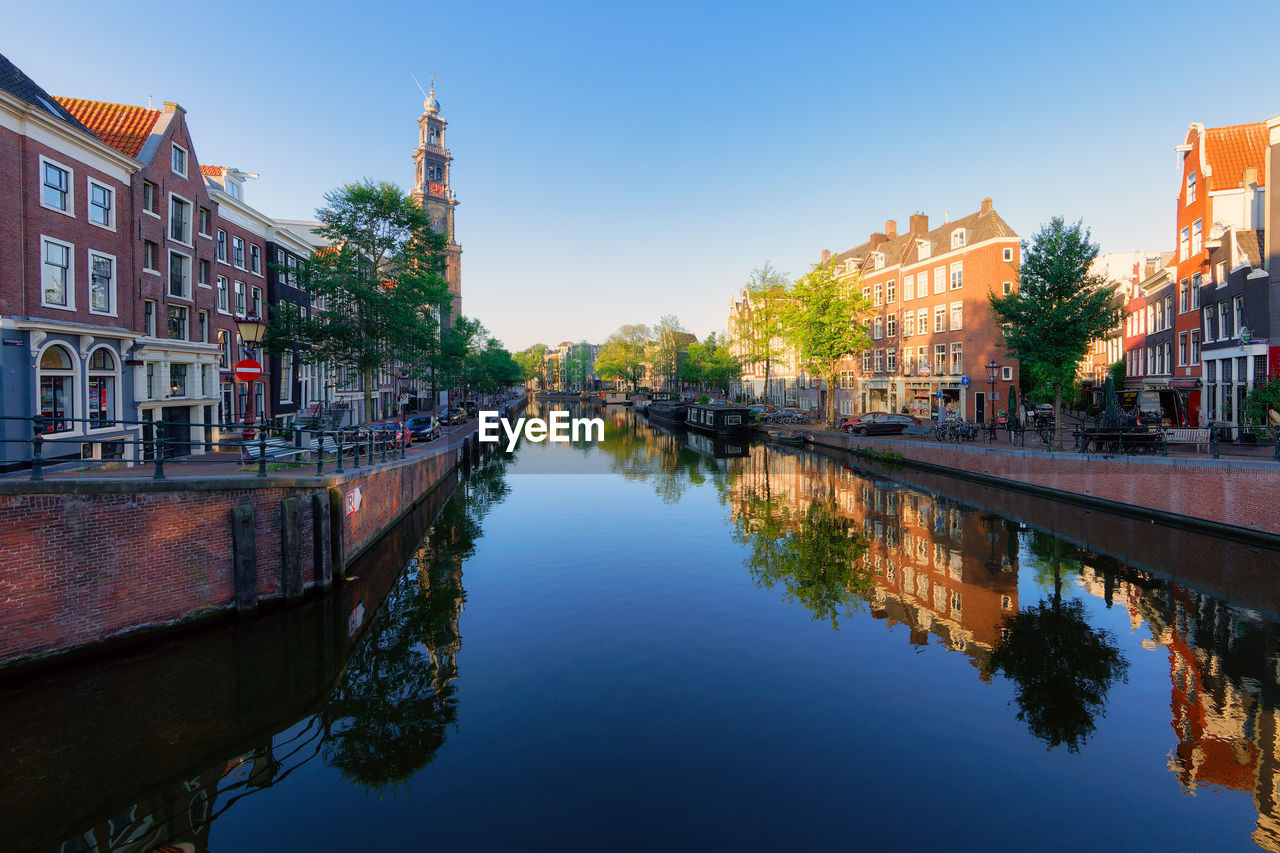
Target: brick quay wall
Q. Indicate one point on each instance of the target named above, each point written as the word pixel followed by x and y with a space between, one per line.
pixel 1220 496
pixel 87 561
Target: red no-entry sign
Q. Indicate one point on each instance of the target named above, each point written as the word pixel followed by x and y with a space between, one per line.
pixel 248 370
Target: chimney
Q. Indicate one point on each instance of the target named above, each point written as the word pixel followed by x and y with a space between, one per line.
pixel 919 223
pixel 876 239
pixel 986 204
pixel 1250 176
pixel 891 228
pixel 826 255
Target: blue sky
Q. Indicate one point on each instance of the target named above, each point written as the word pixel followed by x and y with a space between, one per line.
pixel 615 163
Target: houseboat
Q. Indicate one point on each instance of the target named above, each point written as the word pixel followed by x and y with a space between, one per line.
pixel 718 418
pixel 670 412
pixel 616 398
pixel 717 447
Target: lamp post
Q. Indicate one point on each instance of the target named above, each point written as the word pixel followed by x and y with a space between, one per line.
pixel 993 371
pixel 252 330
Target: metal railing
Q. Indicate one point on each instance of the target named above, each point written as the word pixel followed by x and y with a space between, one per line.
pixel 136 444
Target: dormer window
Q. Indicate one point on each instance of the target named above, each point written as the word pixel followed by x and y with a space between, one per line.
pixel 180 160
pixel 849 265
pixel 878 260
pixel 234 190
pixel 957 238
pixel 924 248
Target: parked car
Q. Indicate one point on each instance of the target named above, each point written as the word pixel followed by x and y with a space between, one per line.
pixel 1043 413
pixel 393 430
pixel 454 416
pixel 878 423
pixel 760 411
pixel 470 407
pixel 423 427
pixel 789 415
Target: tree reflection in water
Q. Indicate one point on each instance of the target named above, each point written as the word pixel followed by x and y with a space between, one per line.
pixel 1063 667
pixel 390 712
pixel 814 554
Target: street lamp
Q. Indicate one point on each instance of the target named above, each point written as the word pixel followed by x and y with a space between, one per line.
pixel 252 330
pixel 993 372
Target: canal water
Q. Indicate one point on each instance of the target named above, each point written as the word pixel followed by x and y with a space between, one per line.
pixel 663 641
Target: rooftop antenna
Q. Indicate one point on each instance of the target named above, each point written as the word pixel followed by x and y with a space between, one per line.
pixel 148 102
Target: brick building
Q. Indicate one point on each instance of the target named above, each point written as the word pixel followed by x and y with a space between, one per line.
pixel 1222 186
pixel 934 332
pixel 67 274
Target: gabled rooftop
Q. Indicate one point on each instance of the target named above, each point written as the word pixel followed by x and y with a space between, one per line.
pixel 123 127
pixel 1231 150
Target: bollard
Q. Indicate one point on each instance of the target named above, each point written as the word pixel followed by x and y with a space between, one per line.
pixel 320 548
pixel 37 448
pixel 244 558
pixel 291 548
pixel 1213 441
pixel 158 445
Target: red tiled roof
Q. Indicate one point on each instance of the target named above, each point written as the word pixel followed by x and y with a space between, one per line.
pixel 1231 150
pixel 123 127
pixel 213 171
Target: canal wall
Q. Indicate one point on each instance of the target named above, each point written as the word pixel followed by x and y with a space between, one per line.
pixel 86 561
pixel 105 744
pixel 1220 496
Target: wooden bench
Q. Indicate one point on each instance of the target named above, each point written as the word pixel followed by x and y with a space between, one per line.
pixel 272 448
pixel 1188 436
pixel 326 446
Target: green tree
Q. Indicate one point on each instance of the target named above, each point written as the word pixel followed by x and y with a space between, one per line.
pixel 381 283
pixel 710 364
pixel 622 355
pixel 1058 309
pixel 670 341
pixel 824 319
pixel 1117 375
pixel 578 366
pixel 532 363
pixel 759 338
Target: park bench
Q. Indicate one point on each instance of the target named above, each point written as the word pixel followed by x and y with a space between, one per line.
pixel 272 448
pixel 1188 436
pixel 325 446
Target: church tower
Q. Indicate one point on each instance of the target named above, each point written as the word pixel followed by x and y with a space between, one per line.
pixel 432 190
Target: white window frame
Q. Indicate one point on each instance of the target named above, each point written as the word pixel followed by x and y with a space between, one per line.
pixel 155 197
pixel 255 260
pixel 234 242
pixel 286 377
pixel 958 238
pixel 204 284
pixel 957 275
pixel 877 328
pixel 202 325
pixel 112 289
pixel 204 234
pixel 221 247
pixel 1191 189
pixel 1197 236
pixel 191 225
pixel 891 326
pixel 890 292
pixel 922 321
pixel 188 296
pixel 71 186
pixel 957 316
pixel 239 295
pixel 939 319
pixel 74 426
pixel 939 280
pixel 1006 374
pixel 223 286
pixel 1007 255
pixel 255 302
pixel 90 183
pixel 957 358
pixel 71 274
pixel 877 291
pixel 908 288
pixel 150 325
pixel 186 160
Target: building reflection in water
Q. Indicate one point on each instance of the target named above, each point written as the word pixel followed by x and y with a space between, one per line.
pixel 387 714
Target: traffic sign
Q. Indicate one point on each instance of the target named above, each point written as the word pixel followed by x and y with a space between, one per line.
pixel 925 370
pixel 964 381
pixel 248 370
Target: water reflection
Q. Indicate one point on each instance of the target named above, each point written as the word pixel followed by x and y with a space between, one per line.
pixel 153 748
pixel 1062 666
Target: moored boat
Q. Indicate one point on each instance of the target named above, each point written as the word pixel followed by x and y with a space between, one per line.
pixel 718 418
pixel 668 411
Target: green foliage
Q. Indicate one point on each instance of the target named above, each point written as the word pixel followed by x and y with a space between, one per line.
pixel 710 364
pixel 815 556
pixel 381 281
pixel 622 355
pixel 824 320
pixel 1116 371
pixel 668 344
pixel 759 333
pixel 1261 402
pixel 532 362
pixel 578 365
pixel 1059 307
